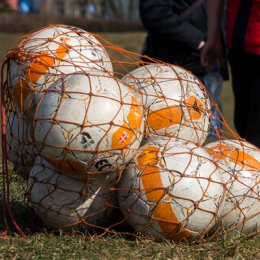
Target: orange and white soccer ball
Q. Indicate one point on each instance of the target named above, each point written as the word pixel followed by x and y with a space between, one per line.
pixel 239 163
pixel 65 203
pixel 89 123
pixel 171 189
pixel 21 150
pixel 175 101
pixel 47 54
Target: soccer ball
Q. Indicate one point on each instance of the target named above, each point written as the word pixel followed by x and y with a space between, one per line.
pixel 239 163
pixel 89 123
pixel 171 189
pixel 47 54
pixel 21 150
pixel 176 103
pixel 65 203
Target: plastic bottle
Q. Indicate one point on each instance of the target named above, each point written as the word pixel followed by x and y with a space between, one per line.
pixel 213 82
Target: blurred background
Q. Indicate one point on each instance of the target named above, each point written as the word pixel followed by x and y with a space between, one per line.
pixel 94 15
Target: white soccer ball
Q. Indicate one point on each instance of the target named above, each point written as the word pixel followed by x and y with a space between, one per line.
pixel 176 103
pixel 89 123
pixel 47 54
pixel 21 150
pixel 171 189
pixel 65 203
pixel 239 163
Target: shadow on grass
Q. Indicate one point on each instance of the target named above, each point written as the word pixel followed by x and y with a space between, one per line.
pixel 22 220
pixel 18 218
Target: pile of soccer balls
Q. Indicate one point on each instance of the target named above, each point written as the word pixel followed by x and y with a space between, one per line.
pixel 93 146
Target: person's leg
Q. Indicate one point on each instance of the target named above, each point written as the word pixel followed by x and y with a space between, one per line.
pixel 241 84
pixel 253 124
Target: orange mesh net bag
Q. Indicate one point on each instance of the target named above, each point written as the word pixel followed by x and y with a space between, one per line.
pixel 106 143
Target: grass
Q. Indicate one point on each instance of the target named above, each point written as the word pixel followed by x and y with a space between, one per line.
pixel 46 245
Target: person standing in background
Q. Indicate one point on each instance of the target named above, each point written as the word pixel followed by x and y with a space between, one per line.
pixel 243 42
pixel 176 32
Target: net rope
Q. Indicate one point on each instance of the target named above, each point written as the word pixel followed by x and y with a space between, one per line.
pixel 105 143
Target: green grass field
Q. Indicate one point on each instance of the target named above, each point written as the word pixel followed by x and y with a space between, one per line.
pixel 44 245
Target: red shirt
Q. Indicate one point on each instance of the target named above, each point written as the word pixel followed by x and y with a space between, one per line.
pixel 243 25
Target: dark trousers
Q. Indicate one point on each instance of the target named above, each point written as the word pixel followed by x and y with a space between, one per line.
pixel 245 70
